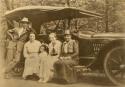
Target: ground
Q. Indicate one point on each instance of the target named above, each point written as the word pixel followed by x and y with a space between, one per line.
pixel 89 80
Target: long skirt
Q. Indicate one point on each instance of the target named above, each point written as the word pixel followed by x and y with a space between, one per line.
pixel 64 70
pixel 53 59
pixel 31 66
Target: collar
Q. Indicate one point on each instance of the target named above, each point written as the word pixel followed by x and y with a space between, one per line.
pixel 32 41
pixel 54 42
pixel 68 41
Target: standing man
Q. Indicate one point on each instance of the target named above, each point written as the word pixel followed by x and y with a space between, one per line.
pixel 16 38
pixel 54 50
pixel 68 59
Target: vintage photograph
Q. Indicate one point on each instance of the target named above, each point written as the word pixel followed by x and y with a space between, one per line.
pixel 62 43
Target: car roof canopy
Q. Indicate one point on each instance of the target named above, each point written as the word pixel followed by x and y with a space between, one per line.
pixel 48 13
pixel 40 14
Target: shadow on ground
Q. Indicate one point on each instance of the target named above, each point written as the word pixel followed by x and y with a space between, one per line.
pixel 96 80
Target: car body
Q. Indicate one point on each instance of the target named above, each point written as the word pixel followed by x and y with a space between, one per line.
pixel 96 50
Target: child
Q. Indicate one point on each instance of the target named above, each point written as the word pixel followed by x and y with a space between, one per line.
pixel 44 64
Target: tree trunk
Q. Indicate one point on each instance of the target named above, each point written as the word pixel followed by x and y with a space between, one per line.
pixel 3 28
pixel 9 4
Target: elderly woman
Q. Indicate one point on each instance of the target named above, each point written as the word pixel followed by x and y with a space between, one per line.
pixel 54 50
pixel 31 50
pixel 68 59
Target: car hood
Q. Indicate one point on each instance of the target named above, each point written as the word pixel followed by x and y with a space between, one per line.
pixel 100 35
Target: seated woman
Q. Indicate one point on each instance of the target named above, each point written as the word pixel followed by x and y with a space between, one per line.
pixel 68 59
pixel 31 50
pixel 54 51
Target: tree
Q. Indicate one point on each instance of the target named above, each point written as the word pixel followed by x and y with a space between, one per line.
pixel 3 28
pixel 113 11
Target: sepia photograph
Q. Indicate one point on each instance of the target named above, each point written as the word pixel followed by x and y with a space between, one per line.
pixel 62 43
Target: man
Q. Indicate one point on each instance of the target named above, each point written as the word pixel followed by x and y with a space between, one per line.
pixel 16 38
pixel 67 59
pixel 54 50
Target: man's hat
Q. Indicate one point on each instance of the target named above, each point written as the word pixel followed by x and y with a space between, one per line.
pixel 25 20
pixel 67 32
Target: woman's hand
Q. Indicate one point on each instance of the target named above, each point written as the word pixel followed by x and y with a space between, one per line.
pixel 31 56
pixel 61 58
pixel 67 58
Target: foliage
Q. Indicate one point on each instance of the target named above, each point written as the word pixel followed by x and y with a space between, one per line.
pixel 114 8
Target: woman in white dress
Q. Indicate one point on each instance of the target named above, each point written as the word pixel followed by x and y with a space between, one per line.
pixel 31 50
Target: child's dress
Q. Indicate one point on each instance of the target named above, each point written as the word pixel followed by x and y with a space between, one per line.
pixel 44 66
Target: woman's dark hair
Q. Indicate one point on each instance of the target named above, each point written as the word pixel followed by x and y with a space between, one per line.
pixel 45 48
pixel 32 33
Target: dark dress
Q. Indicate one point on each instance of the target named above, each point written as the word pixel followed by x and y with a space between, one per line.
pixel 64 67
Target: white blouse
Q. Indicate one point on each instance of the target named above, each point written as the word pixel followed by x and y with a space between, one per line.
pixel 31 47
pixel 56 46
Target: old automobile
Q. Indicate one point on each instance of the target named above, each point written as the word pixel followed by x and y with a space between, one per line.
pixel 98 51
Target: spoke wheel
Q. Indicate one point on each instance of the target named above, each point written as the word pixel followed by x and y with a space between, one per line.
pixel 114 65
pixel 19 69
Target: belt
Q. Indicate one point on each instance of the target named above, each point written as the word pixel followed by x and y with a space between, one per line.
pixel 32 52
pixel 69 53
pixel 54 54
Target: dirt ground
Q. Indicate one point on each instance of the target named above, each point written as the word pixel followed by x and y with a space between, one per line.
pixel 90 80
